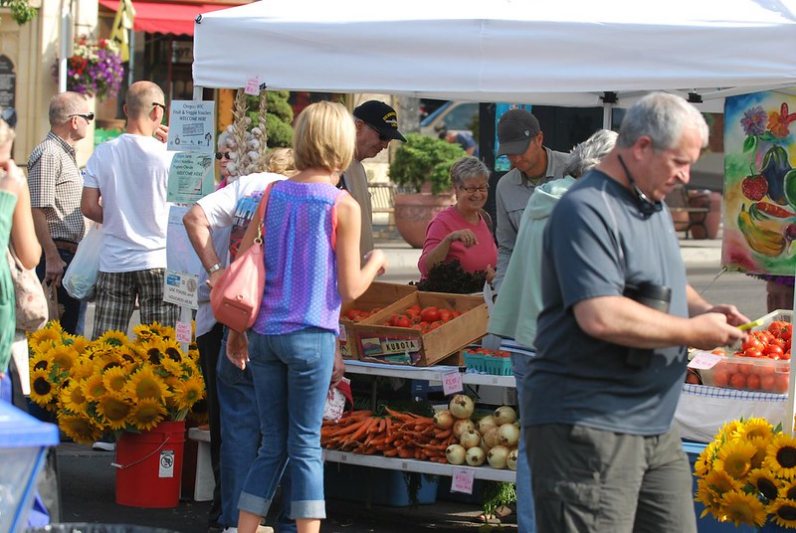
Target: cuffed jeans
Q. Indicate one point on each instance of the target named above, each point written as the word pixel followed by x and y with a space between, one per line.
pixel 291 374
pixel 240 439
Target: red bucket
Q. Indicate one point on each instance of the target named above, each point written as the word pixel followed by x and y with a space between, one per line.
pixel 149 466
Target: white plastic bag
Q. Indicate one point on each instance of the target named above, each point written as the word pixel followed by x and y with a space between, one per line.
pixel 81 275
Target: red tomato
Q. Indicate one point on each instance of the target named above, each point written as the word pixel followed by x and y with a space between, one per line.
pixel 721 377
pixel 773 351
pixel 767 382
pixel 738 381
pixel 445 315
pixel 753 382
pixel 429 314
pixel 403 321
pixel 781 383
pixel 752 352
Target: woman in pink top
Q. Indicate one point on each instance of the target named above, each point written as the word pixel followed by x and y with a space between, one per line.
pixel 460 232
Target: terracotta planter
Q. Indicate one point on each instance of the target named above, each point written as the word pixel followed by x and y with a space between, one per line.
pixel 413 212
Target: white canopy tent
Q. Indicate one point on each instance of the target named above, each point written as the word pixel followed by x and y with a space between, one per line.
pixel 566 52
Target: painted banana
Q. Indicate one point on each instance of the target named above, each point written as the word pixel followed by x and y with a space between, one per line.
pixel 761 240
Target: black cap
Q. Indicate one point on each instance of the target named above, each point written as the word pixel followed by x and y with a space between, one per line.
pixel 380 117
pixel 515 130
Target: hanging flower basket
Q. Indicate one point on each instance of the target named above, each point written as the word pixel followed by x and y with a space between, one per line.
pixel 94 69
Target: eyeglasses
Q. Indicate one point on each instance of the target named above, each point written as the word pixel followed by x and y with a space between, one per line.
pixel 9 116
pixel 223 155
pixel 383 138
pixel 157 104
pixel 88 117
pixel 471 190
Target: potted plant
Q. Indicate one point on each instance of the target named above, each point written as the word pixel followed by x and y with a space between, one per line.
pixel 94 69
pixel 421 169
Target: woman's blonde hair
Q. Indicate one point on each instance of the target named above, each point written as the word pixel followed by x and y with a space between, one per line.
pixel 280 161
pixel 323 137
pixel 6 132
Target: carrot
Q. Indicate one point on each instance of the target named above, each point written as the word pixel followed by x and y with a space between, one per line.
pixel 349 429
pixel 392 452
pixel 442 433
pixel 362 430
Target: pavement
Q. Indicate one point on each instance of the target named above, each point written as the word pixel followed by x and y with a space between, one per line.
pixel 87 479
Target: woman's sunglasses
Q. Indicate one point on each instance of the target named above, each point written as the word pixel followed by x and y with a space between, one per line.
pixel 223 155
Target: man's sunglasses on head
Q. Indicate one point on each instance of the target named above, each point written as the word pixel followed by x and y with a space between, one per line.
pixel 88 117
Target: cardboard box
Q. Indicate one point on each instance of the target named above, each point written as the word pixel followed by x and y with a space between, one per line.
pixel 378 295
pixel 388 344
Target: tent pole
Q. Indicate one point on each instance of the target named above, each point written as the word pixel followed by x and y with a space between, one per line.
pixel 609 99
pixel 197 92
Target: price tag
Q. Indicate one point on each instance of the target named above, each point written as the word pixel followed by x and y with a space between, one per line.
pixel 452 383
pixel 252 86
pixel 704 360
pixel 462 480
pixel 184 332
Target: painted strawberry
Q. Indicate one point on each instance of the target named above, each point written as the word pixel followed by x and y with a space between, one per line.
pixel 754 187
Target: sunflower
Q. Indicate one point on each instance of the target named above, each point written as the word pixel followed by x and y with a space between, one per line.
pixel 709 498
pixel 113 337
pixel 788 491
pixel 172 349
pixel 765 482
pixel 94 388
pixel 62 356
pixel 80 344
pixel 41 390
pixel 114 410
pixel 143 332
pixel 741 508
pixel 735 458
pixel 781 456
pixel 146 414
pixel 39 362
pixel 73 398
pixel 114 379
pixel 82 369
pixel 783 512
pixel 146 384
pixel 154 350
pixel 188 392
pixel 78 427
pixel 162 331
pixel 51 332
pixel 757 428
pixel 721 482
pixel 729 430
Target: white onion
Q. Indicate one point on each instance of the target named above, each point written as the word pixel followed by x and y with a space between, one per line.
pixel 491 439
pixel 469 439
pixel 508 435
pixel 455 454
pixel 505 415
pixel 461 406
pixel 486 423
pixel 475 456
pixel 443 419
pixel 460 426
pixel 511 460
pixel 497 457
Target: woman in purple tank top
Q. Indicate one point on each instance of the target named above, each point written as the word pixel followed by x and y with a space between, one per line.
pixel 312 264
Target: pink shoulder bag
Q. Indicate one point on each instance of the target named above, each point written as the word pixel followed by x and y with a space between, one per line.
pixel 237 295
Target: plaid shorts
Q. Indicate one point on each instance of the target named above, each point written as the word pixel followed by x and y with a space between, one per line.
pixel 116 295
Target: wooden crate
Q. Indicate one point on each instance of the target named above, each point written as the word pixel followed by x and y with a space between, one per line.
pixel 379 294
pixel 388 344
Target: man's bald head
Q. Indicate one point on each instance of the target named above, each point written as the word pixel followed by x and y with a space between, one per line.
pixel 63 105
pixel 141 97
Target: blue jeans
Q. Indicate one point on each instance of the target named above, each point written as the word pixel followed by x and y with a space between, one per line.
pixel 526 520
pixel 240 439
pixel 291 374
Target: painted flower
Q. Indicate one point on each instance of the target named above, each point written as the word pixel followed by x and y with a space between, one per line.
pixel 779 123
pixel 754 121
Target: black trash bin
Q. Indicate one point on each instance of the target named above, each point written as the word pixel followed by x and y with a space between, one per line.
pixel 97 528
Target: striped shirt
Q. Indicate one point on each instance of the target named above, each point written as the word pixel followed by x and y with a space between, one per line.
pixel 56 185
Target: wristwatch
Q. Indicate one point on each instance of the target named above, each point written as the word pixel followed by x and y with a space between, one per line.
pixel 214 268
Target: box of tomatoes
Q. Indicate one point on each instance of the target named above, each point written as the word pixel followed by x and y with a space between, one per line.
pixel 378 296
pixel 421 329
pixel 761 363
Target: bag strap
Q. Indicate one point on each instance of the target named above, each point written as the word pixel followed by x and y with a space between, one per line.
pixel 340 196
pixel 261 210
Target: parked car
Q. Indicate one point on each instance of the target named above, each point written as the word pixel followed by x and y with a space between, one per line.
pixel 451 116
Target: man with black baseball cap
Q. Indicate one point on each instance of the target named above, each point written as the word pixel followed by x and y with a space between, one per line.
pixel 520 138
pixel 377 125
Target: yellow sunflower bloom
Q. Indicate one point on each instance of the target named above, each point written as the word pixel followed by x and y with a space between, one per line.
pixel 114 410
pixel 172 367
pixel 741 508
pixel 757 428
pixel 42 391
pixel 143 332
pixel 709 498
pixel 113 337
pixel 114 379
pixel 146 414
pixel 62 356
pixel 735 458
pixel 80 344
pixel 82 369
pixel 93 387
pixel 153 350
pixel 47 333
pixel 765 482
pixel 172 349
pixel 39 362
pixel 73 398
pixel 788 491
pixel 783 513
pixel 781 456
pixel 189 392
pixel 730 430
pixel 145 383
pixel 721 482
pixel 79 428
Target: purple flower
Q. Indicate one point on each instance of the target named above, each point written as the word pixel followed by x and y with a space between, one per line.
pixel 754 121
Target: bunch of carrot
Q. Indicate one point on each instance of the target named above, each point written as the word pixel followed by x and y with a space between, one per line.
pixel 396 434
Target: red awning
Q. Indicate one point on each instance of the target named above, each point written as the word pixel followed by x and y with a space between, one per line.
pixel 165 17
